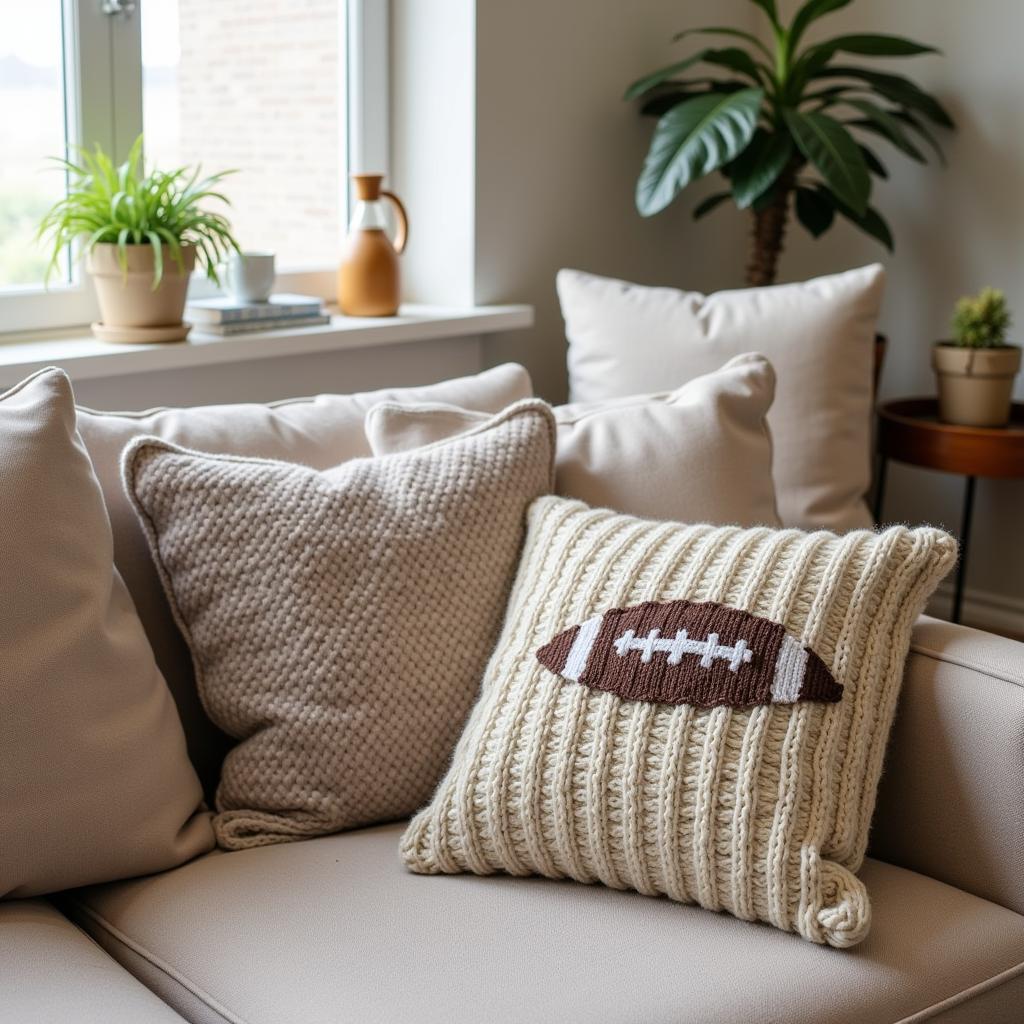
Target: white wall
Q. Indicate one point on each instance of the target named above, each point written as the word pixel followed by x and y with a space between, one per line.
pixel 557 152
pixel 956 230
pixel 554 159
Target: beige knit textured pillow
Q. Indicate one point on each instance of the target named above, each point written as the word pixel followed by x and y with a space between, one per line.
pixel 742 775
pixel 340 621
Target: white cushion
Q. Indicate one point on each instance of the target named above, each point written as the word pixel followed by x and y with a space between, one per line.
pixel 625 339
pixel 701 453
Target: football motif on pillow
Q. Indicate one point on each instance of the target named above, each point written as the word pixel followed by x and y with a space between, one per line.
pixel 690 652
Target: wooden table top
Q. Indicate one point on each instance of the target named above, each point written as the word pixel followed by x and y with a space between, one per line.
pixel 909 430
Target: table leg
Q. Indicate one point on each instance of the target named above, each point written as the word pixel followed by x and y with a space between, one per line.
pixel 883 464
pixel 965 536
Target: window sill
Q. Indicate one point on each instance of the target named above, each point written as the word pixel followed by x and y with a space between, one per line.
pixel 85 358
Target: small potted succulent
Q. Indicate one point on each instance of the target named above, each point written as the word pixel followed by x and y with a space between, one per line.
pixel 976 369
pixel 142 234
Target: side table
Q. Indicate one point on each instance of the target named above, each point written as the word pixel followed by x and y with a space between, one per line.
pixel 909 430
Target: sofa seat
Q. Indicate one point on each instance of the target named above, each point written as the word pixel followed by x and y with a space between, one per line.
pixel 51 972
pixel 335 930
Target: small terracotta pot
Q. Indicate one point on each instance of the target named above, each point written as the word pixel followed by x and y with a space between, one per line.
pixel 129 300
pixel 975 384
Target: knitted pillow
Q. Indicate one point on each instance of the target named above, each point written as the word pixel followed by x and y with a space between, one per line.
pixel 693 711
pixel 320 432
pixel 340 621
pixel 701 453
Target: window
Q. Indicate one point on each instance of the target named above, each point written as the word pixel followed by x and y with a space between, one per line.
pixel 289 93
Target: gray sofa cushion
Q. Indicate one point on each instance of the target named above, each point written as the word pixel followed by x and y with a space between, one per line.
pixel 50 971
pixel 333 929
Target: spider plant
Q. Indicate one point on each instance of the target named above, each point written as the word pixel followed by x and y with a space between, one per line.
pixel 124 205
pixel 787 121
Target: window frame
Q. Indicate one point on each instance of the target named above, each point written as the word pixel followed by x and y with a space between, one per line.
pixel 103 103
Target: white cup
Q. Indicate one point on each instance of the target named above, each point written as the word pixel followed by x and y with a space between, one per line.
pixel 251 276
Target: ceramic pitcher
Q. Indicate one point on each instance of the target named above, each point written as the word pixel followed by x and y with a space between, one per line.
pixel 369 277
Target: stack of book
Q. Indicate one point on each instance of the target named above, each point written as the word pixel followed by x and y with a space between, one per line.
pixel 227 316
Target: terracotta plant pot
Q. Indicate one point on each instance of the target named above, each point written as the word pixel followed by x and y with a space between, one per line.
pixel 975 384
pixel 129 300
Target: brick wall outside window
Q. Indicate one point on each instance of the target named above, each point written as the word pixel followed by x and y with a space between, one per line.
pixel 257 88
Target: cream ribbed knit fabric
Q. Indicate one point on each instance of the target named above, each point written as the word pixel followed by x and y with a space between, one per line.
pixel 762 812
pixel 340 621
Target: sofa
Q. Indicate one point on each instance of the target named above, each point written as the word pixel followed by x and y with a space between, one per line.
pixel 335 929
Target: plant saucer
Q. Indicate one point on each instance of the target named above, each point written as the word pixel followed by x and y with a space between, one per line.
pixel 141 335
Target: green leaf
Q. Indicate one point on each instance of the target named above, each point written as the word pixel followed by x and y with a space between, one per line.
pixel 648 82
pixel 897 89
pixel 735 59
pixel 871 222
pixel 694 139
pixel 814 58
pixel 835 153
pixel 758 167
pixel 875 166
pixel 126 205
pixel 724 30
pixel 912 122
pixel 811 12
pixel 888 125
pixel 875 45
pixel 705 206
pixel 662 102
pixel 768 6
pixel 731 57
pixel 814 210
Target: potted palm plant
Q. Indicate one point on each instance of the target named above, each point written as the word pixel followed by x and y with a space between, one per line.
pixel 787 123
pixel 976 369
pixel 141 234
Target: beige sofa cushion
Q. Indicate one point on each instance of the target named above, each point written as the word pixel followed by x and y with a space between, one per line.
pixel 951 802
pixel 95 782
pixel 319 432
pixel 340 620
pixel 334 929
pixel 730 761
pixel 625 339
pixel 699 454
pixel 51 972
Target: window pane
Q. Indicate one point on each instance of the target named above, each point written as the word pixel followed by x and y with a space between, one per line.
pixel 255 87
pixel 32 128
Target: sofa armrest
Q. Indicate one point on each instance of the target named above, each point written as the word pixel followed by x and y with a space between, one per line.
pixel 951 801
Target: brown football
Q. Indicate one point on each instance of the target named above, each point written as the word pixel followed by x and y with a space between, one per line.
pixel 690 652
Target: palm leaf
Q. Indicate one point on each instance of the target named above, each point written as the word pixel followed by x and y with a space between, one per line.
pixel 662 102
pixel 694 139
pixel 875 166
pixel 815 210
pixel 706 205
pixel 725 30
pixel 834 152
pixel 913 123
pixel 888 126
pixel 768 6
pixel 665 74
pixel 897 89
pixel 758 167
pixel 811 12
